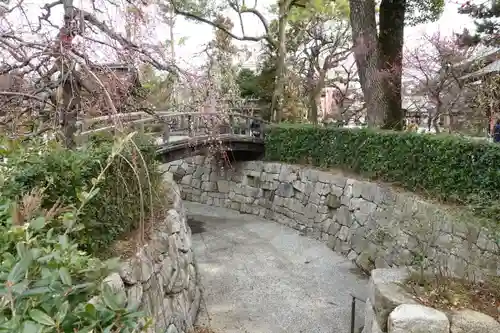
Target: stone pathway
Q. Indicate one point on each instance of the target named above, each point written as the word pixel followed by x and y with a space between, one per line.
pixel 262 277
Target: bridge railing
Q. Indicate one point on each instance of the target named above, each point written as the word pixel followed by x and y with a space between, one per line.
pixel 172 126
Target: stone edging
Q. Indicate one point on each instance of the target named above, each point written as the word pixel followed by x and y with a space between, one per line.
pixel 162 277
pixel 389 308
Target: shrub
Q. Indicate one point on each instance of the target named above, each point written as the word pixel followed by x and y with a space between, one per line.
pixel 125 178
pixel 445 167
pixel 47 283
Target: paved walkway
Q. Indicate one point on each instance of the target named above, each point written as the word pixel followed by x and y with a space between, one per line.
pixel 261 277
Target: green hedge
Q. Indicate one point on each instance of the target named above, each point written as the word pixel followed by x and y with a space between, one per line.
pixel 445 167
pixel 67 175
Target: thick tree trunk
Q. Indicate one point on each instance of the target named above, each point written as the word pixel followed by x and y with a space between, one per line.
pixel 280 63
pixel 391 37
pixel 379 59
pixel 366 54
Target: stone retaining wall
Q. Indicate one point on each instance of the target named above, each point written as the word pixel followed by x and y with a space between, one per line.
pixel 374 225
pixel 162 277
pixel 390 308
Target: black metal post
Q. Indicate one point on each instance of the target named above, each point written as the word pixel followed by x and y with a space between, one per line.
pixel 353 313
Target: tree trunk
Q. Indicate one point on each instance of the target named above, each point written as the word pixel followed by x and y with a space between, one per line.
pixel 366 54
pixel 313 109
pixel 314 93
pixel 391 37
pixel 435 124
pixel 280 62
pixel 69 111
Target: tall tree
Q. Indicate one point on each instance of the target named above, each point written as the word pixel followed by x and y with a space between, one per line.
pixel 378 52
pixel 275 37
pixel 58 52
pixel 436 81
pixel 487 19
pixel 248 84
pixel 320 38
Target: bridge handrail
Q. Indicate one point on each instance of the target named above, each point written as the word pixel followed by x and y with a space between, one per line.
pixel 162 117
pixel 131 115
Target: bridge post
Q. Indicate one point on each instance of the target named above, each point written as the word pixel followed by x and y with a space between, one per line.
pixel 231 124
pixel 248 129
pixel 190 125
pixel 166 132
pixel 183 122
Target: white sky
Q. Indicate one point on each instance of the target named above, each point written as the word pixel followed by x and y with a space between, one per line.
pixel 196 35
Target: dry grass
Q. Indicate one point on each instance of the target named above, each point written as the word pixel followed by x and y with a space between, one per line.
pixel 127 245
pixel 456 294
pixel 130 242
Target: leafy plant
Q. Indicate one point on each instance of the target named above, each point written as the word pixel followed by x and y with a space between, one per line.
pixel 48 284
pixel 448 168
pixel 123 171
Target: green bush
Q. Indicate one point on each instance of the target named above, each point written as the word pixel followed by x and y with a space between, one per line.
pixel 47 284
pixel 114 168
pixel 448 168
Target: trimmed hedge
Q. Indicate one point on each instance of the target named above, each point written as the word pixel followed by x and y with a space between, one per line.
pixel 451 169
pixel 67 174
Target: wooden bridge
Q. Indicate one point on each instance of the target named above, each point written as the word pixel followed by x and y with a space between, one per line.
pixel 179 135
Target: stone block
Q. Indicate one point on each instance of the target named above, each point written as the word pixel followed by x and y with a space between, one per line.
pixel 371 325
pixel 342 235
pixel 256 165
pixel 364 261
pixel 366 190
pixel 386 294
pixel 362 205
pixel 322 188
pixel 172 329
pixel 208 186
pixel 173 221
pixel 115 283
pixel 332 178
pixel 343 216
pixel 287 173
pixel 270 167
pixel 333 201
pixel 331 241
pixel 308 175
pixel 134 295
pixel 415 318
pixel 358 241
pixel 468 321
pixel 342 246
pixel 285 190
pixel 223 186
pixel 186 180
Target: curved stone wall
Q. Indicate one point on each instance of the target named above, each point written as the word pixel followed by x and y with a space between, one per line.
pixel 374 225
pixel 161 278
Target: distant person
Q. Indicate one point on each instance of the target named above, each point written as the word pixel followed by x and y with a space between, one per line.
pixel 496 131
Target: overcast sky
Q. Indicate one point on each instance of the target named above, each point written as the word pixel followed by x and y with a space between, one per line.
pixel 196 35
